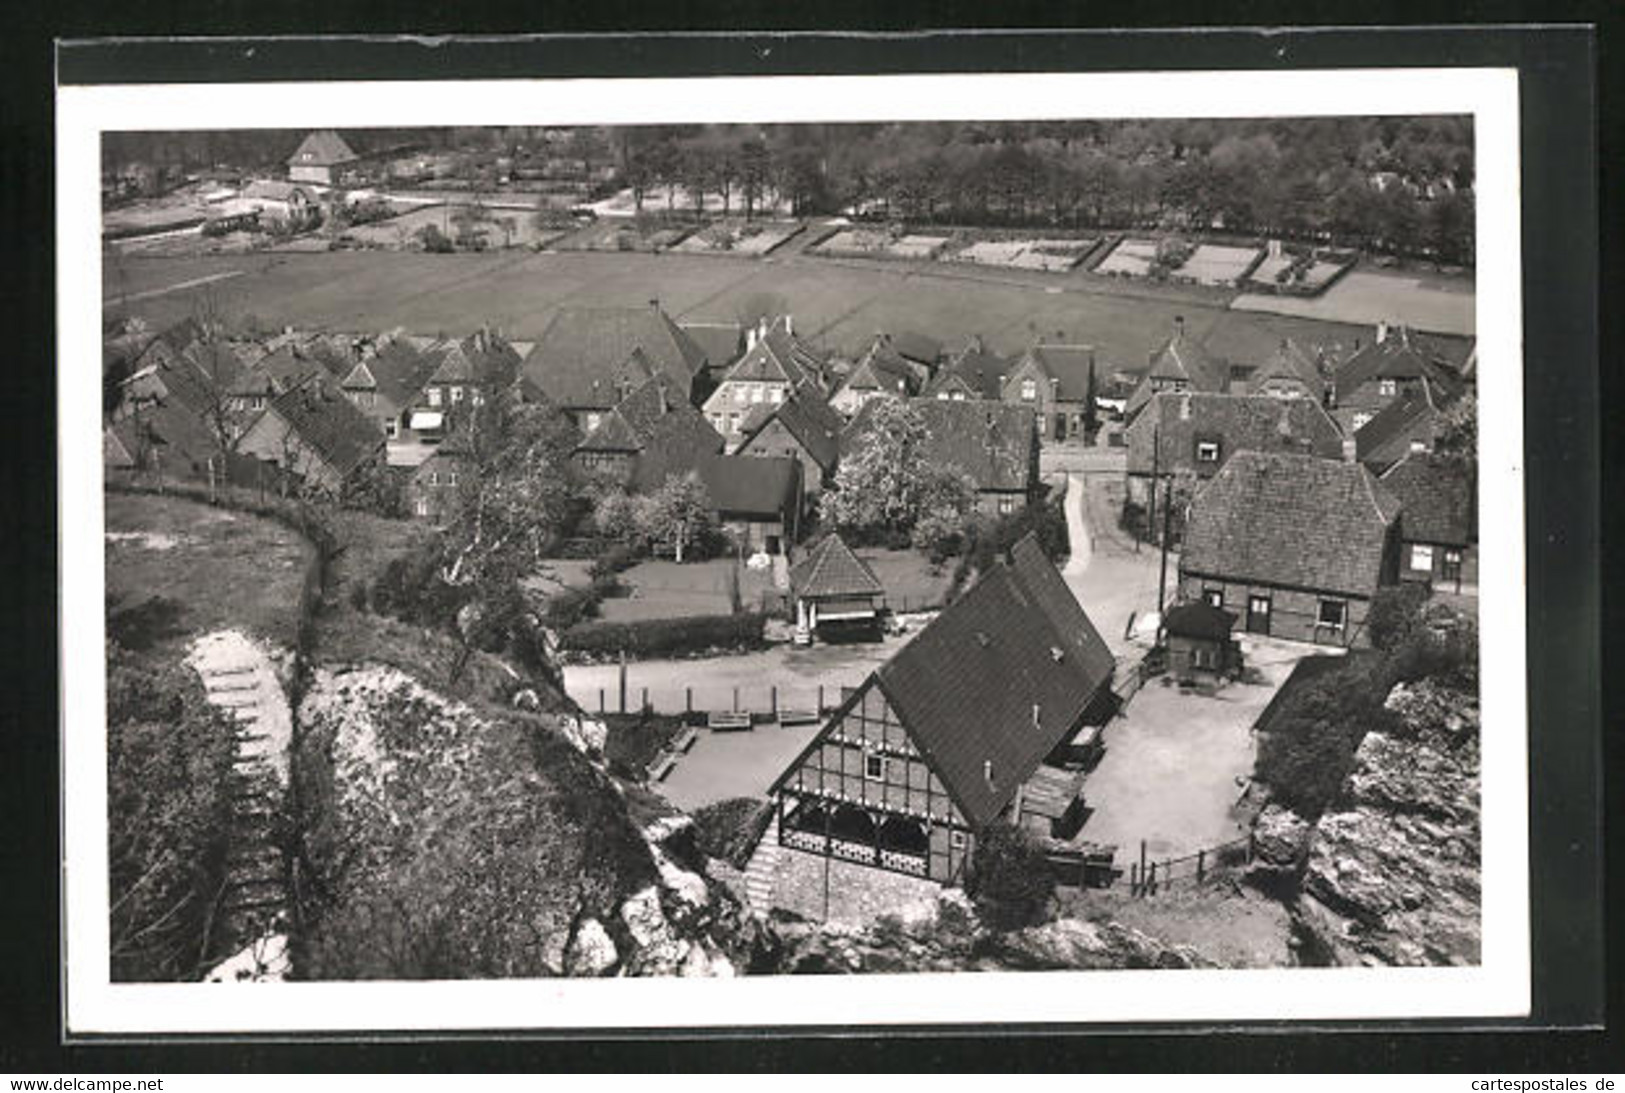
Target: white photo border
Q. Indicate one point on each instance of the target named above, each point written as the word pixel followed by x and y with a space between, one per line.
pixel 1498 988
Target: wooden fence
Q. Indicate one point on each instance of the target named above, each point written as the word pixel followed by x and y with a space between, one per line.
pixel 1149 876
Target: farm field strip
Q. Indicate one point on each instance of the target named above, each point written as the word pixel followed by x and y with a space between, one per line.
pixel 1368 298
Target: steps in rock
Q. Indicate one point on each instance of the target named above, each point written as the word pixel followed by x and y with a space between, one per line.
pixel 762 872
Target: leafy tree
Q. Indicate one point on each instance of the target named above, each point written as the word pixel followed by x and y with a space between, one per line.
pixel 1009 879
pixel 887 484
pixel 678 515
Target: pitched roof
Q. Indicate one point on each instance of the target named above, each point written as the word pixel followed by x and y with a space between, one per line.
pixel 657 424
pixel 778 356
pixel 1386 438
pixel 325 147
pixel 1437 495
pixel 399 370
pixel 989 441
pixel 1019 626
pixel 916 346
pixel 267 189
pixel 1291 520
pixel 1175 420
pixel 585 352
pixel 1199 619
pixel 323 419
pixel 975 367
pixel 1291 363
pixel 880 369
pixel 1069 364
pixel 721 342
pixel 812 421
pixel 832 570
pixel 1400 356
pixel 1181 358
pixel 749 485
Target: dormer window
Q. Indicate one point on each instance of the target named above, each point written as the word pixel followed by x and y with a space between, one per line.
pixel 1207 451
pixel 456 394
pixel 1029 390
pixel 434 396
pixel 1387 387
pixel 1418 446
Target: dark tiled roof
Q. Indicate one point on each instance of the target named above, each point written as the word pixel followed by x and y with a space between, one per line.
pixel 1291 520
pixel 1437 495
pixel 272 190
pixel 748 485
pixel 326 149
pixel 976 368
pixel 1290 363
pixel 326 421
pixel 808 418
pixel 968 686
pixel 585 353
pixel 399 371
pixel 175 432
pixel 989 441
pixel 831 570
pixel 779 356
pixel 668 435
pixel 881 369
pixel 721 342
pixel 1069 364
pixel 1399 356
pixel 1180 358
pixel 1176 420
pixel 1386 438
pixel 1199 619
pixel 916 346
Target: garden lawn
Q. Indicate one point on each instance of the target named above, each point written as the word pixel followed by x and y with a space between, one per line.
pixel 1433 304
pixel 666 590
pixel 912 583
pixel 221 569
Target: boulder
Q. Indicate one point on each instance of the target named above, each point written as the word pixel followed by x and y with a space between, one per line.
pixel 657 949
pixel 591 952
pixel 1280 837
pixel 584 734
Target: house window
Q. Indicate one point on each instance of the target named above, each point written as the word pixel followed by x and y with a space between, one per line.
pixel 733 423
pixel 1213 596
pixel 1419 446
pixel 956 839
pixel 1043 424
pixel 1452 565
pixel 943 396
pixel 392 427
pixel 421 506
pixel 592 420
pixel 456 394
pixel 874 767
pixel 451 478
pixel 1207 451
pixel 959 396
pixel 1332 613
pixel 1007 505
pixel 1029 390
pixel 1421 558
pixel 775 395
pixel 1202 657
pixel 1387 387
pixel 434 478
pixel 434 396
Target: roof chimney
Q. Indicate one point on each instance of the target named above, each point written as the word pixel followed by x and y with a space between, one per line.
pixel 1382 331
pixel 1179 327
pixel 1184 407
pixel 789 323
pixel 750 339
pixel 1351 450
pixel 654 302
pixel 1037 721
pixel 987 772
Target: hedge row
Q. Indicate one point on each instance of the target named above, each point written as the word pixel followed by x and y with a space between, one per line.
pixel 664 637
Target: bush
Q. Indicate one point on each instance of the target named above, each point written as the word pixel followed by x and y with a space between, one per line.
pixel 729 830
pixel 434 240
pixel 1010 879
pixel 664 637
pixel 635 740
pixel 1307 747
pixel 169 763
pixel 617 559
pixel 988 542
pixel 1394 614
pixel 410 589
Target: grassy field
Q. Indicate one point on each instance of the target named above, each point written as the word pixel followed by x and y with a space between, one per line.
pixel 218 568
pixel 1426 302
pixel 839 304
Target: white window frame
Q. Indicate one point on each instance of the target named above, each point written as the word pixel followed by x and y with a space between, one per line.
pixel 1419 552
pixel 957 839
pixel 874 767
pixel 1207 451
pixel 1342 618
pixel 592 420
pixel 433 394
pixel 392 428
pixel 1029 390
pixel 456 395
pixel 434 477
pixel 451 478
pixel 1214 597
pixel 421 506
pixel 775 394
pixel 1387 387
pixel 1007 506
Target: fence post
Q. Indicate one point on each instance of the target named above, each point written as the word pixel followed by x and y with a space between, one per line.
pixel 688 699
pixel 1142 867
pixel 601 708
pixel 645 706
pixel 820 700
pixel 736 699
pixel 1201 856
pixel 774 695
pixel 1133 878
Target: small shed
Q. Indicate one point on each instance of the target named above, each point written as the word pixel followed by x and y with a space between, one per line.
pixel 835 590
pixel 1199 641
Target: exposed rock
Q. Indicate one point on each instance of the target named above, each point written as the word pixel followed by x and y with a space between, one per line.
pixel 584 733
pixel 657 949
pixel 1392 876
pixel 1076 944
pixel 264 960
pixel 553 952
pixel 1280 837
pixel 590 952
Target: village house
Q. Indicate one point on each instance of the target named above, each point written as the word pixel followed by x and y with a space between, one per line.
pixel 1300 544
pixel 314 432
pixel 386 386
pixel 1291 372
pixel 757 501
pixel 993 443
pixel 294 207
pixel 162 437
pixel 1410 424
pixel 1194 433
pixel 1394 365
pixel 434 490
pixel 319 157
pixel 974 371
pixel 923 755
pixel 1440 535
pixel 879 373
pixel 590 358
pixel 920 350
pixel 1199 644
pixel 648 436
pixel 803 427
pixel 1179 364
pixel 1052 380
pixel 835 590
pixel 776 365
pixel 723 343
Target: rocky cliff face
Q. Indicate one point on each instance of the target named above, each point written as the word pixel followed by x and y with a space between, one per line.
pixel 1392 872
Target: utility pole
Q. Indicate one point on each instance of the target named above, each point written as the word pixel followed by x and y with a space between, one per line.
pixel 1162 569
pixel 1151 511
